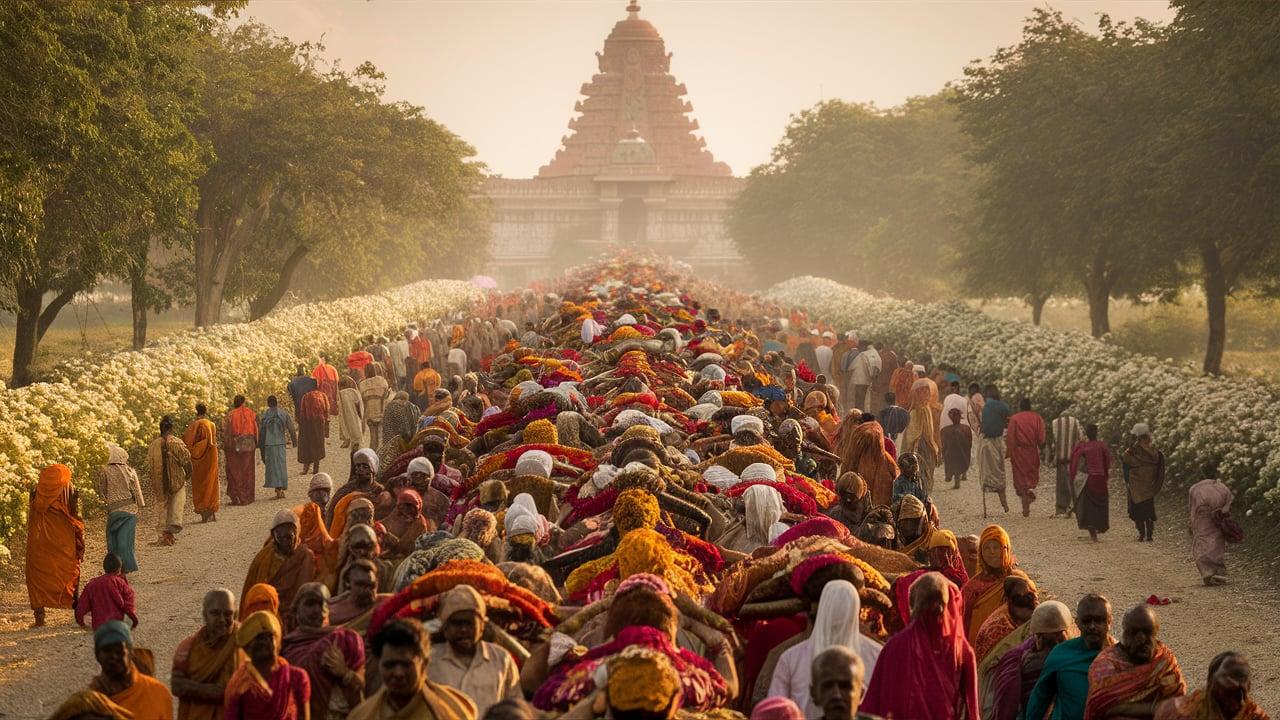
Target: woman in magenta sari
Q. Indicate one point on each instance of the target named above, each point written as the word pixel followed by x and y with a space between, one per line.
pixel 265 686
pixel 332 657
pixel 927 671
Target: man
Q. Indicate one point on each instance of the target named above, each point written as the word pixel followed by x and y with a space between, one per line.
pixel 299 386
pixel 1025 438
pixel 204 662
pixel 313 430
pixel 374 393
pixel 1017 671
pixel 283 562
pixel 866 366
pixel 169 463
pixel 955 400
pixel 1020 602
pixel 892 417
pixel 333 657
pixel 1208 499
pixel 399 352
pixel 402 653
pixel 353 609
pixel 853 501
pixel 1093 504
pixel 107 597
pixel 265 686
pixel 909 482
pixel 823 353
pixel 1066 435
pixel 991 450
pixel 425 384
pixel 837 683
pixel 120 680
pixel 1144 465
pixel 201 438
pixel 121 492
pixel 240 440
pixel 1064 679
pixel 312 531
pixel 326 377
pixel 1226 695
pixel 481 670
pixel 1131 678
pixel 927 671
pixel 55 542
pixel 957 447
pixel 275 429
pixel 364 466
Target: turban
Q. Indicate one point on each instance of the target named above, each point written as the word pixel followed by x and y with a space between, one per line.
pixel 492 491
pixel 110 633
pixel 635 508
pixel 256 624
pixel 1050 616
pixel 421 465
pixel 777 708
pixel 713 372
pixel 541 432
pixel 759 471
pixel 943 539
pixel 411 496
pixel 711 397
pixel 519 521
pixel 360 502
pixel 853 482
pixel 720 477
pixel 770 393
pixel 702 411
pixel 746 422
pixel 320 481
pixel 368 456
pixel 911 508
pixel 631 417
pixel 284 517
pixel 261 596
pixel 534 462
pixel 626 319
pixel 642 679
pixel 460 598
pixel 815 399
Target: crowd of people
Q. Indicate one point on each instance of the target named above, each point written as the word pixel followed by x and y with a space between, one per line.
pixel 614 500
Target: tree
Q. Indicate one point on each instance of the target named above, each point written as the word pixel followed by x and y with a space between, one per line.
pixel 311 164
pixel 1217 150
pixel 862 195
pixel 1057 124
pixel 94 147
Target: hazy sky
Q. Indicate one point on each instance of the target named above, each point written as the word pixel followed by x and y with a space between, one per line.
pixel 504 75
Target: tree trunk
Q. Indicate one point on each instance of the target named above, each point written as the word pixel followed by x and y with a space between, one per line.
pixel 218 246
pixel 264 303
pixel 1215 300
pixel 1098 293
pixel 138 303
pixel 1037 308
pixel 51 311
pixel 26 338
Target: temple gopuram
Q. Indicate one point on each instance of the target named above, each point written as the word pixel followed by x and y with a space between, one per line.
pixel 631 172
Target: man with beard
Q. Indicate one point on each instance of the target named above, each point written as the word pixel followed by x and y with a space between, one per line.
pixel 364 465
pixel 853 501
pixel 283 563
pixel 1064 679
pixel 333 657
pixel 1018 670
pixel 205 661
pixel 1132 677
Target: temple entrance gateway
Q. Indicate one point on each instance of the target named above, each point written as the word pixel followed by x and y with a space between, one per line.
pixel 632 171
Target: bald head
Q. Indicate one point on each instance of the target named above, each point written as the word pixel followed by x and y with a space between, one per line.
pixel 837 682
pixel 1138 631
pixel 218 596
pixel 219 612
pixel 928 593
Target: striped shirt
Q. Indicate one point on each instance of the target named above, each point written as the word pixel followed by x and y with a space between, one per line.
pixel 1066 433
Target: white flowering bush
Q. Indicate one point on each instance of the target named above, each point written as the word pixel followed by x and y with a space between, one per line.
pixel 1193 418
pixel 122 397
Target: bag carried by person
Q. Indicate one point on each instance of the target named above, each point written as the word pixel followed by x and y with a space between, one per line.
pixel 1231 530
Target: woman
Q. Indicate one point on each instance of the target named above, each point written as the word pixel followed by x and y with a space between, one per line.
pixel 921 438
pixel 862 450
pixel 55 542
pixel 121 493
pixel 313 430
pixel 984 593
pixel 836 625
pixel 1093 505
pixel 240 438
pixel 265 686
pixel 332 657
pixel 1144 466
pixel 1208 499
pixel 350 414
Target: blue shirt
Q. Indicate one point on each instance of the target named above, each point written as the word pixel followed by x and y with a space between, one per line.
pixel 894 419
pixel 995 416
pixel 1064 681
pixel 906 486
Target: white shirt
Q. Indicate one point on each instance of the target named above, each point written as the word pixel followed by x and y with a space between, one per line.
pixel 792 678
pixel 823 353
pixel 958 402
pixel 399 350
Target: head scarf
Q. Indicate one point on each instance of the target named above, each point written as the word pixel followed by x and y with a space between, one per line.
pixel 112 632
pixel 261 596
pixel 541 432
pixel 320 481
pixel 369 456
pixel 815 399
pixel 411 496
pixel 776 530
pixel 911 508
pixel 284 517
pixel 851 480
pixel 458 599
pixel 777 708
pixel 256 624
pixel 836 624
pixel 54 489
pixel 642 679
pixel 720 477
pixel 746 422
pixel 763 509
pixel 421 465
pixel 996 533
pixel 535 462
pixel 759 471
pixel 1050 616
pixel 116 455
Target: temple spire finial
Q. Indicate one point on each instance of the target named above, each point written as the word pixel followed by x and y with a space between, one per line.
pixel 633 7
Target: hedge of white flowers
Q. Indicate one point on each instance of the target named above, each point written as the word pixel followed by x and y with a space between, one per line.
pixel 1193 418
pixel 122 397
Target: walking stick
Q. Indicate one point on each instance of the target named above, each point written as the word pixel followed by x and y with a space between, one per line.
pixel 984 503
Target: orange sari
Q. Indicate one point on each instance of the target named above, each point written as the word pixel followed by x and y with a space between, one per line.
pixel 201 439
pixel 55 542
pixel 984 593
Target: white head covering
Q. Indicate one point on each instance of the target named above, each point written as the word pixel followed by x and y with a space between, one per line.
pixel 528 387
pixel 759 471
pixel 534 462
pixel 422 465
pixel 116 455
pixel 284 517
pixel 1050 616
pixel 720 477
pixel 519 521
pixel 746 422
pixel 631 416
pixel 777 529
pixel 713 372
pixel 603 476
pixel 701 411
pixel 626 319
pixel 320 481
pixel 369 456
pixel 1140 429
pixel 590 330
pixel 836 623
pixel 917 368
pixel 712 397
pixel 764 508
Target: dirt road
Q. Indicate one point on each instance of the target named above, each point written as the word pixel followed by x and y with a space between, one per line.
pixel 39 668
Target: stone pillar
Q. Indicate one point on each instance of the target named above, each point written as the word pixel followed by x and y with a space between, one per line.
pixel 655 231
pixel 609 223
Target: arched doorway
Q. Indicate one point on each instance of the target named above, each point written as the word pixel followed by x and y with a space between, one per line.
pixel 632 220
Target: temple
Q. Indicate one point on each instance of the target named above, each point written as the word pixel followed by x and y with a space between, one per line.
pixel 632 171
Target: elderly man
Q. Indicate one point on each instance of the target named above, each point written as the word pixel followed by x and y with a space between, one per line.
pixel 927 671
pixel 1131 678
pixel 1064 678
pixel 169 463
pixel 204 662
pixel 435 504
pixel 483 671
pixel 364 467
pixel 353 609
pixel 403 657
pixel 1226 695
pixel 1016 673
pixel 121 681
pixel 853 501
pixel 333 657
pixel 838 683
pixel 283 563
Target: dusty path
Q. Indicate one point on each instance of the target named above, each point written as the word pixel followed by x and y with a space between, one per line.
pixel 39 668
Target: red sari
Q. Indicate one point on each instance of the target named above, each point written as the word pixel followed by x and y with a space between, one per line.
pixel 283 695
pixel 240 440
pixel 1025 438
pixel 326 377
pixel 1114 680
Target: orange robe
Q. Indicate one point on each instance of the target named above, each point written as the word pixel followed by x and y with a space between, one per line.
pixel 55 542
pixel 201 439
pixel 314 535
pixel 285 574
pixel 326 377
pixel 201 662
pixel 146 698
